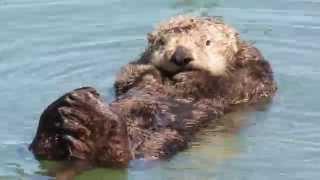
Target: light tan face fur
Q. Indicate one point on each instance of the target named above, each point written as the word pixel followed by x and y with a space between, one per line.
pixel 211 43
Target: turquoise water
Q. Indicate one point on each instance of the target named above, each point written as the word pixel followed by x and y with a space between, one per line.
pixel 48 47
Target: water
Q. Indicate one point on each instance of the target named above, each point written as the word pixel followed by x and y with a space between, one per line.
pixel 48 47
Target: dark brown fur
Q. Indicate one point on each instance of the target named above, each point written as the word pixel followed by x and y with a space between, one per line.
pixel 155 114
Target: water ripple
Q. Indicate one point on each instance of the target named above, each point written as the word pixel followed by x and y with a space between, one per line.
pixel 50 47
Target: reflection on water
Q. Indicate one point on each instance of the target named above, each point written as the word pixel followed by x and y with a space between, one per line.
pixel 79 171
pixel 104 174
pixel 194 4
pixel 48 47
pixel 197 7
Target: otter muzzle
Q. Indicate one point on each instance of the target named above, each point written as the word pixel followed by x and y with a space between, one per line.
pixel 182 56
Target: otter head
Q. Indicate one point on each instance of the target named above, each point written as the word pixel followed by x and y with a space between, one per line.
pixel 189 43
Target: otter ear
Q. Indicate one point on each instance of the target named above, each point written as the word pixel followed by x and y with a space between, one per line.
pixel 151 38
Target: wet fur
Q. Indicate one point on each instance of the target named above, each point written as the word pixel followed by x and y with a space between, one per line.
pixel 155 113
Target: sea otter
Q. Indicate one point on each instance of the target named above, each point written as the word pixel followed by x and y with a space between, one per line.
pixel 194 70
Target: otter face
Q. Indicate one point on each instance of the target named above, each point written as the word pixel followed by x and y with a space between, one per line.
pixel 186 43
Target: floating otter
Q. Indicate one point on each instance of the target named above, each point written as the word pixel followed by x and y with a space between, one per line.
pixel 194 70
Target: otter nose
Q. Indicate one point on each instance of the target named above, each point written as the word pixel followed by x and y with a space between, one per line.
pixel 182 56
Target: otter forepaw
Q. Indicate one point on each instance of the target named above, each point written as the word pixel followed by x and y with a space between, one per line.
pixel 72 125
pixel 76 148
pixel 74 122
pixel 85 98
pixel 184 76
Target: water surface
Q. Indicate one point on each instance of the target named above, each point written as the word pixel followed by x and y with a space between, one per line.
pixel 48 47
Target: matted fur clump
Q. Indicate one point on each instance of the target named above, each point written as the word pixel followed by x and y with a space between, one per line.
pixel 194 70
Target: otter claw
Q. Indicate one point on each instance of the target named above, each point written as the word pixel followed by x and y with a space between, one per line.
pixel 71 113
pixel 81 97
pixel 88 89
pixel 77 149
pixel 72 121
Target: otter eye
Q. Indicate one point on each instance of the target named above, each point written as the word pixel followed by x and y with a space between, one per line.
pixel 208 42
